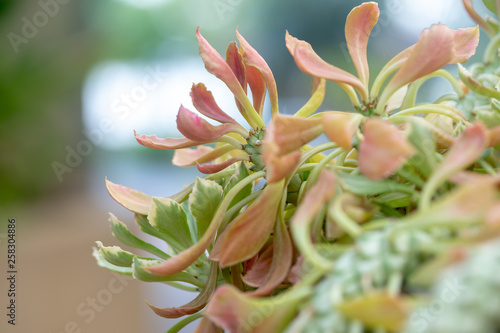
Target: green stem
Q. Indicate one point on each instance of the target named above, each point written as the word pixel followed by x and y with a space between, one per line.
pixel 183 287
pixel 184 322
pixel 343 221
pixel 316 171
pixel 490 54
pixel 431 108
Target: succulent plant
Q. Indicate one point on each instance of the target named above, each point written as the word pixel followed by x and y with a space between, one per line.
pixel 346 236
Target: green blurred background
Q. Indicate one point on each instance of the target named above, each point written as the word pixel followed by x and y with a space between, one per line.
pixel 65 66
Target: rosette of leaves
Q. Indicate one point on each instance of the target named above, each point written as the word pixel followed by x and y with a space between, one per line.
pixel 179 222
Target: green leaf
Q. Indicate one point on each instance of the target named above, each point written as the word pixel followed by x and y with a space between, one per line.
pixel 240 174
pixel 101 262
pixel 361 185
pixel 489 117
pixel 141 274
pixel 121 232
pixel 168 217
pixel 490 4
pixel 394 200
pixel 116 256
pixel 203 202
pixel 425 147
pixel 143 223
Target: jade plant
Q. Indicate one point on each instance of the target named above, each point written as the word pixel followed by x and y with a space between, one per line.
pixel 392 225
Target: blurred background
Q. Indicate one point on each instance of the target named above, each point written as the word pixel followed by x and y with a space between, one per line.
pixel 77 77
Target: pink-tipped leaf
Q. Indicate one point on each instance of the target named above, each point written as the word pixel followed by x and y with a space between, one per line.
pixel 358 27
pixel 204 102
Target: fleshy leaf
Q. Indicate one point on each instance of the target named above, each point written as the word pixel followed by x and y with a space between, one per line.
pixel 184 259
pixel 204 201
pixel 195 305
pixel 310 63
pixel 202 154
pixel 122 234
pixel 358 27
pixel 240 174
pixel 281 261
pixel 152 141
pixel 279 166
pixel 235 60
pixel 254 59
pixel 361 185
pixel 256 274
pixel 247 234
pixel 101 262
pixel 235 312
pixel 475 85
pixel 289 133
pixel 319 194
pixel 422 140
pixel 195 128
pixel 383 150
pixel 217 66
pixel 377 310
pixel 340 127
pixel 204 102
pixel 141 274
pixel 433 50
pixel 143 223
pixel 468 148
pixel 436 47
pixel 115 255
pixel 465 43
pixel 133 200
pixel 258 87
pixel 213 168
pixel 168 217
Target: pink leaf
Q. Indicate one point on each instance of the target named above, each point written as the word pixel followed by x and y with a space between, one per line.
pixel 235 312
pixel 133 200
pixel 247 234
pixel 204 102
pixel 279 166
pixel 466 149
pixel 213 168
pixel 358 27
pixel 152 141
pixel 310 63
pixel 195 305
pixel 258 87
pixel 195 128
pixel 383 150
pixel 202 154
pixel 466 41
pixel 217 66
pixel 289 133
pixel 256 274
pixel 254 59
pixel 436 47
pixel 235 61
pixel 281 261
pixel 340 127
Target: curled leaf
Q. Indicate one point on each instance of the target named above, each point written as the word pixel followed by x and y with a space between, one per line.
pixel 195 305
pixel 204 102
pixel 202 154
pixel 133 200
pixel 197 129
